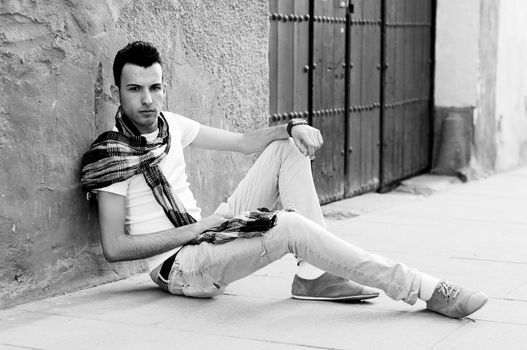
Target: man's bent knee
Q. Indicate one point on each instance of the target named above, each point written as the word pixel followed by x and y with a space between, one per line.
pixel 285 145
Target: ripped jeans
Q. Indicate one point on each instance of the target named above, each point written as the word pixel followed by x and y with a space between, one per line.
pixel 283 174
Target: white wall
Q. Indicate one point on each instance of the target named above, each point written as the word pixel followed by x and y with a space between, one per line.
pixel 481 55
pixel 511 87
pixel 457 50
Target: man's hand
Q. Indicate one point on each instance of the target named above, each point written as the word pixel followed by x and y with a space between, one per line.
pixel 307 139
pixel 210 222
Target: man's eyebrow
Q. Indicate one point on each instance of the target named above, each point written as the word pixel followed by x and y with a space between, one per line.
pixel 139 85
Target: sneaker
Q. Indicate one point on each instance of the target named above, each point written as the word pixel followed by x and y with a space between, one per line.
pixel 330 287
pixel 456 302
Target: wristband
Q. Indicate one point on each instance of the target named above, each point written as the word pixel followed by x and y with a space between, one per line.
pixel 295 122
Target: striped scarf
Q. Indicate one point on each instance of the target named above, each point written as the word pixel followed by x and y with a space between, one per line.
pixel 116 156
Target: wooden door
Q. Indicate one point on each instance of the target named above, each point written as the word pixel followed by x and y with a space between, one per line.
pixel 361 72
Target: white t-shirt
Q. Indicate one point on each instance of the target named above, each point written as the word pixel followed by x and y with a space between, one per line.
pixel 143 213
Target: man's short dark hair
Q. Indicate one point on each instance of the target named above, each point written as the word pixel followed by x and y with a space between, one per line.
pixel 140 53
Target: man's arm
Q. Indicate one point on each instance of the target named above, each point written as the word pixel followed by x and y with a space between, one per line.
pixel 117 245
pixel 307 139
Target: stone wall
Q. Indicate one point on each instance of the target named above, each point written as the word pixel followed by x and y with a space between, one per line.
pixel 55 67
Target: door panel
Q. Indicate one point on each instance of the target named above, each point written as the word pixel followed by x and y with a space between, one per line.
pixel 288 55
pixel 329 45
pixel 407 89
pixel 364 97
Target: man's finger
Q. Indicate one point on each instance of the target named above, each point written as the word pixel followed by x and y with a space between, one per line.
pixel 319 137
pixel 300 147
pixel 311 148
pixel 314 142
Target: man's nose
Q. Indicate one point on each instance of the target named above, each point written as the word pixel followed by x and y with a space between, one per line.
pixel 146 98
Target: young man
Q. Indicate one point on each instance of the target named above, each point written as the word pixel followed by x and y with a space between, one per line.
pixel 147 211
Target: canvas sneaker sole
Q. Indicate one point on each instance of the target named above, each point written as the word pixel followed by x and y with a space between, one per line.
pixel 344 298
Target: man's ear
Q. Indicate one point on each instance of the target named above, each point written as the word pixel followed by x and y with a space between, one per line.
pixel 114 90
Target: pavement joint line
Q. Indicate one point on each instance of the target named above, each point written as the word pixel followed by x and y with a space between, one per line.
pixel 510 299
pixel 490 260
pixel 469 197
pixel 387 223
pixel 93 319
pixel 513 291
pixel 500 322
pixel 382 251
pixel 231 294
pixel 21 346
pixel 283 343
pixel 450 219
pixel 505 222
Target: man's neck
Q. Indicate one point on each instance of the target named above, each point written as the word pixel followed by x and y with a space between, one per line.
pixel 151 135
pixel 139 130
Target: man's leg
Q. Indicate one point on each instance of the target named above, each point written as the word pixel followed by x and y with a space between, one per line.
pixel 283 174
pixel 206 269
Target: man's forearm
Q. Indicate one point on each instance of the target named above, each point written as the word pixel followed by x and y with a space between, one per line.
pixel 134 247
pixel 257 140
pixel 126 247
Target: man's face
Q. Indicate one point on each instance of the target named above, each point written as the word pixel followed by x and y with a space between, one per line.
pixel 141 94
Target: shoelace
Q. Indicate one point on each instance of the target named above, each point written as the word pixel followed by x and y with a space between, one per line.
pixel 449 290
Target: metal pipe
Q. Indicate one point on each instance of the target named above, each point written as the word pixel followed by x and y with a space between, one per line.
pixel 310 61
pixel 347 58
pixel 382 97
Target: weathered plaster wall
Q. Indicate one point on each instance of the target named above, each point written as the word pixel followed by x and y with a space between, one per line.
pixel 480 55
pixel 456 84
pixel 511 86
pixel 55 71
pixel 457 50
pixel 484 123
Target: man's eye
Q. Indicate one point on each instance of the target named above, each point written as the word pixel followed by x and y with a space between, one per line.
pixel 134 89
pixel 156 88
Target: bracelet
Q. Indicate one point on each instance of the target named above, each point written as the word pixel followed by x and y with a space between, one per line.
pixel 295 122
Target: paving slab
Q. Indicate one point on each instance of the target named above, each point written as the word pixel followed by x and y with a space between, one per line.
pixel 485 335
pixel 504 311
pixel 315 324
pixel 62 332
